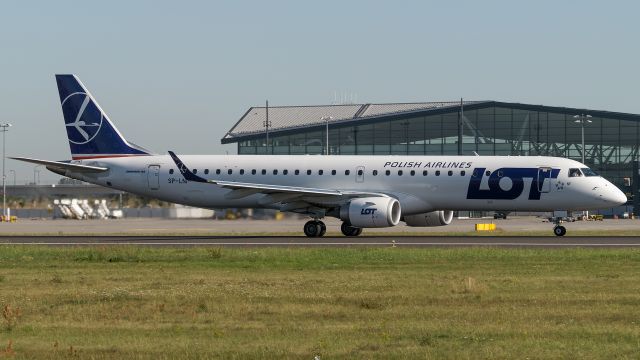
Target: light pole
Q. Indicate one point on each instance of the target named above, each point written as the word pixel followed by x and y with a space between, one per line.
pixel 326 120
pixel 35 183
pixel 266 123
pixel 581 119
pixel 5 128
pixel 14 176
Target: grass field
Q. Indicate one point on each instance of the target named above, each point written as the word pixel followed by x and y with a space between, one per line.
pixel 140 302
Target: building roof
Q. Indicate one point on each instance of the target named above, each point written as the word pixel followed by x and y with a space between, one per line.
pixel 285 119
pixel 288 117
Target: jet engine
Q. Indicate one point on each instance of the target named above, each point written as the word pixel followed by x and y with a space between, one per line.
pixel 371 212
pixel 434 218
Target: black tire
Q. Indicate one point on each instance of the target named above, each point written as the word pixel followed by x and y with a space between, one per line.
pixel 323 228
pixel 349 230
pixel 312 228
pixel 559 230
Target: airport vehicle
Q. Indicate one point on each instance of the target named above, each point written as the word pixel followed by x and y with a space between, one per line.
pixel 362 191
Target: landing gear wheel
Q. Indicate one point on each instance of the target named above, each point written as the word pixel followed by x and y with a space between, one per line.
pixel 559 230
pixel 312 228
pixel 323 228
pixel 349 230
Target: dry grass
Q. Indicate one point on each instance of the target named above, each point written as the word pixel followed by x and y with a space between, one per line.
pixel 130 302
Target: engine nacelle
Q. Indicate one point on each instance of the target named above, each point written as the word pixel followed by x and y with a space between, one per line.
pixel 371 212
pixel 434 218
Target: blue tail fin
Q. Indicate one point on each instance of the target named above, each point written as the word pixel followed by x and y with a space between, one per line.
pixel 91 134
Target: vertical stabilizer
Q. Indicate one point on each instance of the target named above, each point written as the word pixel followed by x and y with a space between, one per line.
pixel 90 132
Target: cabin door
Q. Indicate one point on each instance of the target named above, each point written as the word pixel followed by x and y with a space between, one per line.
pixel 544 179
pixel 153 176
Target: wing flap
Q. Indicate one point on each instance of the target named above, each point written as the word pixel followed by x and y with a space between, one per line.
pixel 267 188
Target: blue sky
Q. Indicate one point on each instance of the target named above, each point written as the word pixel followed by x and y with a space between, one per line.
pixel 176 75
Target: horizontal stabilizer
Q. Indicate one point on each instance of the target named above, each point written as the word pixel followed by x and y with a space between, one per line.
pixel 63 165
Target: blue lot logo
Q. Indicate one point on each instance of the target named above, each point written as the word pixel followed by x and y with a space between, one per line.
pixel 368 211
pixel 540 180
pixel 82 117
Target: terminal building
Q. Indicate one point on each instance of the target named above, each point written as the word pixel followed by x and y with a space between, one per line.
pixel 610 139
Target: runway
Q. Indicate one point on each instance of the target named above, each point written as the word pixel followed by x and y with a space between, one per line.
pixel 301 241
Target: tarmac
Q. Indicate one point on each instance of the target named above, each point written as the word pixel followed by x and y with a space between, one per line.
pixel 302 241
pixel 287 226
pixel 288 232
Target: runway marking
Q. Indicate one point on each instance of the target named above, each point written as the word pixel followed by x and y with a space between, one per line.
pixel 512 244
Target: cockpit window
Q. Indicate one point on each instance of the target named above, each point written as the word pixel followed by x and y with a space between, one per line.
pixel 589 172
pixel 574 173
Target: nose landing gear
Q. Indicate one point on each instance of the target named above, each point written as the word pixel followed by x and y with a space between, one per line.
pixel 314 228
pixel 558 229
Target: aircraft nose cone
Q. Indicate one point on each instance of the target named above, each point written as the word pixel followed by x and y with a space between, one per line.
pixel 618 197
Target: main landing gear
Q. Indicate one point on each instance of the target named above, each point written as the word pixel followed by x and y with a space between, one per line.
pixel 349 230
pixel 558 229
pixel 315 228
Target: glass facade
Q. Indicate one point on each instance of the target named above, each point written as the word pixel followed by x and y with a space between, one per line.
pixel 611 144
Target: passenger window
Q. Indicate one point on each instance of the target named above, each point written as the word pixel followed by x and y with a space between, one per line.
pixel 413 173
pixel 375 172
pixel 297 172
pixel 320 172
pixel 264 172
pixel 437 172
pixel 241 171
pixel 308 172
pixel 285 172
pixel 487 173
pixel 217 171
pixel 347 172
pixel 574 173
pixel 387 172
pixel 450 173
pixel 500 173
pixel 399 172
pixel 462 173
pixel 253 171
pixel 333 172
pixel 275 172
pixel 195 171
pixel 229 171
pixel 206 171
pixel 170 171
pixel 359 172
pixel 425 173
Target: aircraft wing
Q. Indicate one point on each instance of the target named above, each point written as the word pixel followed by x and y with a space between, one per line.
pixel 60 165
pixel 278 193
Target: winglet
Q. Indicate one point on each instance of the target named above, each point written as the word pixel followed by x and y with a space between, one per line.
pixel 188 175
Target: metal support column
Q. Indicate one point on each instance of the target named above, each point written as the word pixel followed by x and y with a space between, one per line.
pixel 635 186
pixel 460 127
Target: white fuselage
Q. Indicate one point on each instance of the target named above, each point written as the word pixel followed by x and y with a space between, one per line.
pixel 437 182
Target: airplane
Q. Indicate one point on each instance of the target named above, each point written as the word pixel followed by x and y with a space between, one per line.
pixel 363 191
